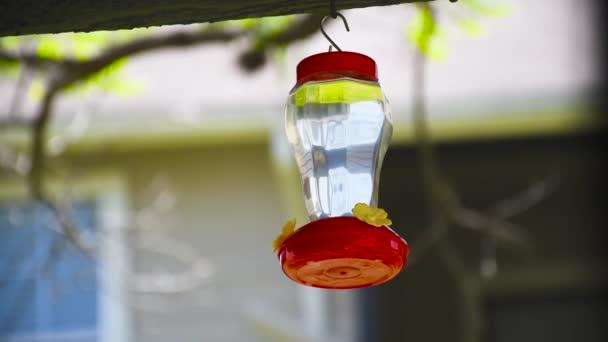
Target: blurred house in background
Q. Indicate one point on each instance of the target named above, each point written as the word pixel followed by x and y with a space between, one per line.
pixel 187 183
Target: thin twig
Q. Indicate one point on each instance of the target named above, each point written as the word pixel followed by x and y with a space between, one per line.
pixel 527 199
pixel 489 225
pixel 444 203
pixel 68 227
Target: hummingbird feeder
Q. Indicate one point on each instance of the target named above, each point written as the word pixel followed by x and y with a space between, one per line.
pixel 337 120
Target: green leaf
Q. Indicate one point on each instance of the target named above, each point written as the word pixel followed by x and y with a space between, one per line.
pixel 11 42
pixel 117 85
pixel 470 26
pixel 85 45
pixel 81 46
pixel 9 69
pixel 271 26
pixel 109 79
pixel 421 29
pixel 49 47
pixel 488 8
pixel 244 23
pixel 427 36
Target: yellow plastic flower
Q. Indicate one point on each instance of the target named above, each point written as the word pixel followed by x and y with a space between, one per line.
pixel 375 216
pixel 286 231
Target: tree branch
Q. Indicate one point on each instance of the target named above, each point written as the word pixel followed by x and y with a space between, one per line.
pixel 530 197
pixel 37 154
pixel 255 56
pixel 82 70
pixel 38 166
pixel 301 29
pixel 67 71
pixel 71 71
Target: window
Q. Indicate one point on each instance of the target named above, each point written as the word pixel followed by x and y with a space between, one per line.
pixel 48 287
pixel 51 291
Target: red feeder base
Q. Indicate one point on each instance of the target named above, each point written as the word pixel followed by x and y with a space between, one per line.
pixel 342 253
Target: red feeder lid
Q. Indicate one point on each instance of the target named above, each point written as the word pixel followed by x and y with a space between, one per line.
pixel 338 61
pixel 342 253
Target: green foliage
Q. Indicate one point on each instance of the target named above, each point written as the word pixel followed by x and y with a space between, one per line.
pixel 110 79
pixel 8 69
pixel 80 46
pixel 426 35
pixel 470 26
pixel 10 42
pixel 487 8
pixel 83 46
pixel 268 28
pixel 50 47
pixel 423 31
pixel 263 31
pixel 431 39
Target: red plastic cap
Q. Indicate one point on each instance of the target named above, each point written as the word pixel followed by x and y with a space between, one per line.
pixel 339 61
pixel 342 253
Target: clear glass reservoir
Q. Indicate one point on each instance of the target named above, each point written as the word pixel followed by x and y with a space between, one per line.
pixel 339 125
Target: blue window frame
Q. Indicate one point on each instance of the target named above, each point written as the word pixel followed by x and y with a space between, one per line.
pixel 47 287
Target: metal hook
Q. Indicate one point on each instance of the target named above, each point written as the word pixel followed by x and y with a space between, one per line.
pixel 334 15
